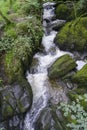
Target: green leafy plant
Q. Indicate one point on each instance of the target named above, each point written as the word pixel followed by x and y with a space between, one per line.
pixel 76 113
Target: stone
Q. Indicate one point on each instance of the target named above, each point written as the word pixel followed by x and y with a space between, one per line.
pixel 48 121
pixel 61 67
pixel 15 99
pixel 65 11
pixel 73 36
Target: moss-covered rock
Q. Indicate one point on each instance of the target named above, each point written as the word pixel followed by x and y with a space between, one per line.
pixel 73 36
pixel 63 11
pixel 81 77
pixel 15 99
pixel 61 67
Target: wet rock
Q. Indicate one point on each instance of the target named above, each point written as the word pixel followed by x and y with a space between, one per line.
pixel 50 119
pixel 15 99
pixel 61 67
pixel 14 123
pixel 57 24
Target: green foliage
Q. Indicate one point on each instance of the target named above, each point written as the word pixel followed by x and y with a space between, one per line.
pixel 30 27
pixel 23 45
pixel 76 114
pixel 5 7
pixel 31 7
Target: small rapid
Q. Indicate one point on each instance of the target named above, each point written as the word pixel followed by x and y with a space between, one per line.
pixel 38 75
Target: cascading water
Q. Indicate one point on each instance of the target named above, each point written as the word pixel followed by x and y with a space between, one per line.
pixel 37 77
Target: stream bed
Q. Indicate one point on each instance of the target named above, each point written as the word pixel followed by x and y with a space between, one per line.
pixel 38 74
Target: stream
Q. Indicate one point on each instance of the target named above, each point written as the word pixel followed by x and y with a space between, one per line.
pixel 38 74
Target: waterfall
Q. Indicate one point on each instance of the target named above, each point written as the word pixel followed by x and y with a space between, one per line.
pixel 38 75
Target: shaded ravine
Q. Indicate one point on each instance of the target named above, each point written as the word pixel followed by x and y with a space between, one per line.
pixel 38 75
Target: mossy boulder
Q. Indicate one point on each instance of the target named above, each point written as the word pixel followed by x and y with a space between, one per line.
pixel 80 77
pixel 63 11
pixel 73 36
pixel 61 67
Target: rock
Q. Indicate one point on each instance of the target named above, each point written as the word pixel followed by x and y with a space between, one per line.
pixel 15 99
pixel 14 123
pixel 57 24
pixel 80 77
pixel 49 120
pixel 73 36
pixel 64 11
pixel 61 67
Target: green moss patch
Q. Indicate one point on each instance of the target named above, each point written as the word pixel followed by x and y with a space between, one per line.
pixel 73 36
pixel 81 77
pixel 63 11
pixel 61 67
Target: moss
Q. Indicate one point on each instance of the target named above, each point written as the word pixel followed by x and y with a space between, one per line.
pixel 63 11
pixel 7 112
pixel 73 36
pixel 13 67
pixel 58 69
pixel 20 107
pixel 81 77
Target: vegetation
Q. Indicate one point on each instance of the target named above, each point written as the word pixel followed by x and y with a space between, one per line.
pixel 21 37
pixel 75 114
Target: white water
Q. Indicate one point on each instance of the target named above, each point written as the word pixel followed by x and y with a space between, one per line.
pixel 39 80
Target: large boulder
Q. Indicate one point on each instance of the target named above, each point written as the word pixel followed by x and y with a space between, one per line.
pixel 61 67
pixel 65 11
pixel 80 77
pixel 73 36
pixel 15 99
